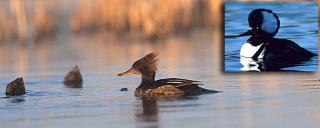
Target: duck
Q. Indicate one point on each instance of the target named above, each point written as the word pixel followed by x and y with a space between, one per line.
pixel 262 45
pixel 146 67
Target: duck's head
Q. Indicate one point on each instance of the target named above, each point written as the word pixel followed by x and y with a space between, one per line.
pixel 263 23
pixel 145 66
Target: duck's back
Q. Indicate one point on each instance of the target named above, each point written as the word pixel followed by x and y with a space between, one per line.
pixel 283 50
pixel 172 87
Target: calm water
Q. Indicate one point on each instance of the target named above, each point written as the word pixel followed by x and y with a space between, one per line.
pixel 298 22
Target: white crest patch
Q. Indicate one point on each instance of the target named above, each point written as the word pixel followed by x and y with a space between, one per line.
pixel 269 23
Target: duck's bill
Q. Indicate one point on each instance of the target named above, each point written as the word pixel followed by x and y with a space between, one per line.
pixel 129 72
pixel 247 33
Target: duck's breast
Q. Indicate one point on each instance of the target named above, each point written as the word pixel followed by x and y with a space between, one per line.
pixel 248 50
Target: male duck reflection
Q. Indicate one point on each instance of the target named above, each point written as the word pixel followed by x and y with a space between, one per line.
pixel 262 51
pixel 170 87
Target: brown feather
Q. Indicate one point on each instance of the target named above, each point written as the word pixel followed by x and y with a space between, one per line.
pixel 149 61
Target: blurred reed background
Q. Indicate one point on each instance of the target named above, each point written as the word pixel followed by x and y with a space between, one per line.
pixel 151 18
pixel 147 19
pixel 33 20
pixel 20 20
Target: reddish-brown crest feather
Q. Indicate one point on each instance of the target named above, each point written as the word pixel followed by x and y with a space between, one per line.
pixel 151 60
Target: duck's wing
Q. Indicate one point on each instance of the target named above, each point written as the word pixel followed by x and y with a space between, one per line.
pixel 189 87
pixel 177 82
pixel 289 47
pixel 298 49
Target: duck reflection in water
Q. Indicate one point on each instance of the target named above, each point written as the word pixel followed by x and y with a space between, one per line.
pixel 15 99
pixel 148 115
pixel 258 65
pixel 251 65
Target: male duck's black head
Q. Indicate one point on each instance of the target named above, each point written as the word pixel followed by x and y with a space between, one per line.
pixel 263 23
pixel 146 67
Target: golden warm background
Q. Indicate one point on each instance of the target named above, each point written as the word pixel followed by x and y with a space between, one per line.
pixel 147 19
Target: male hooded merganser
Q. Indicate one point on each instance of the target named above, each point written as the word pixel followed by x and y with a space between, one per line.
pixel 264 25
pixel 170 87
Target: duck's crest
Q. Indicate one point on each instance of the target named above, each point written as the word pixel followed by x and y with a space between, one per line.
pixel 150 61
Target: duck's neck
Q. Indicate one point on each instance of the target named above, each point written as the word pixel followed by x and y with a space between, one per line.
pixel 148 78
pixel 255 41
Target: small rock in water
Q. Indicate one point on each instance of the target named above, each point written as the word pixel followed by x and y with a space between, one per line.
pixel 16 88
pixel 124 89
pixel 74 76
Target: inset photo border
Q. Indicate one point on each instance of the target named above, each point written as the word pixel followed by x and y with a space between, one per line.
pixel 271 36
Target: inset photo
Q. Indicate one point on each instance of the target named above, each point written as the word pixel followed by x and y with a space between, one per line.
pixel 271 36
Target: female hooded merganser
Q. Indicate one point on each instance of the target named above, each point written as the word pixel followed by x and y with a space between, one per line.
pixel 264 25
pixel 170 87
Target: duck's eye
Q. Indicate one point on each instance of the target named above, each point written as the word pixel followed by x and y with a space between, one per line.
pixel 135 66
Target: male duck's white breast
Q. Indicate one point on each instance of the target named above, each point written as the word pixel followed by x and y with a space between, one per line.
pixel 248 50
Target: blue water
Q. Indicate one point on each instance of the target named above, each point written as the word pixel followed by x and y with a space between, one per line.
pixel 298 22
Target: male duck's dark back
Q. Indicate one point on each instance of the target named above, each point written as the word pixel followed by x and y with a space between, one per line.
pixel 284 50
